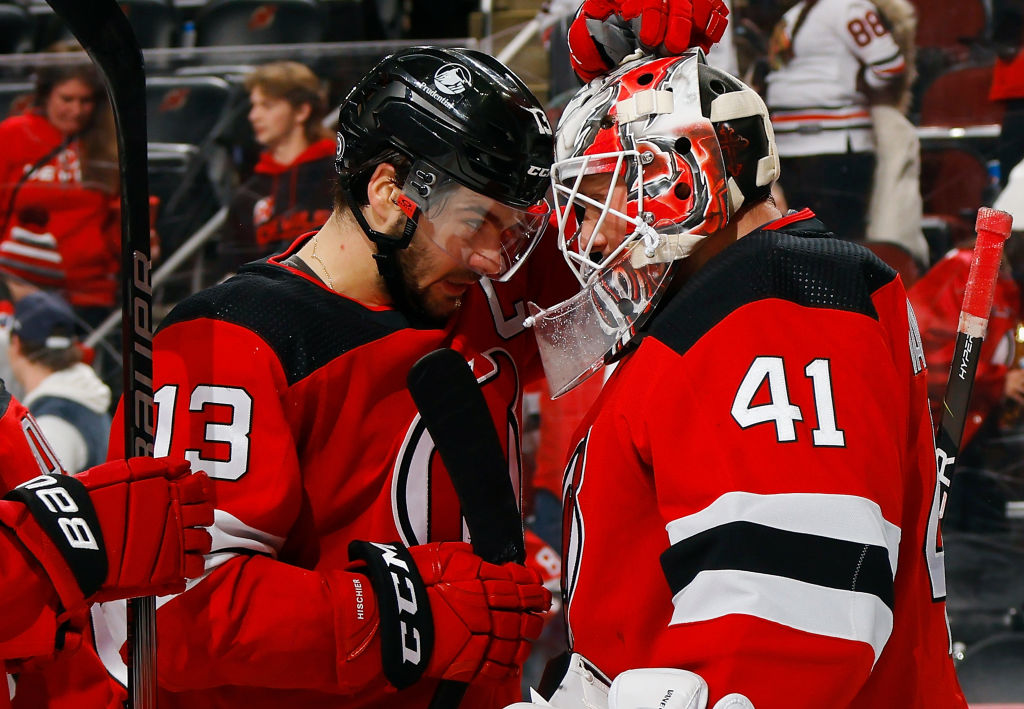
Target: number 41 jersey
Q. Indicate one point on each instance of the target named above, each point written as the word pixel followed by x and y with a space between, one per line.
pixel 754 496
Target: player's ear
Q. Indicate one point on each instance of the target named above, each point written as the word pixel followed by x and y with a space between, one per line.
pixel 382 193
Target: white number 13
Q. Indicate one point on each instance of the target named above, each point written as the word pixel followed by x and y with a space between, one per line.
pixel 779 410
pixel 234 433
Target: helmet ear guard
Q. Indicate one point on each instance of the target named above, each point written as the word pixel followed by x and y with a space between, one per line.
pixel 745 136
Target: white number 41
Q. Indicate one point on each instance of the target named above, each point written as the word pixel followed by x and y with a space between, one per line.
pixel 779 410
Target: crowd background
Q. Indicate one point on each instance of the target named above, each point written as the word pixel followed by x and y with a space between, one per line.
pixel 239 100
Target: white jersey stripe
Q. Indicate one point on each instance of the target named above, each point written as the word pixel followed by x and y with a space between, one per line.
pixel 848 615
pixel 229 532
pixel 845 517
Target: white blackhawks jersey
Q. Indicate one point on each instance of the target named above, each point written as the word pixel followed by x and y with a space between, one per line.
pixel 814 99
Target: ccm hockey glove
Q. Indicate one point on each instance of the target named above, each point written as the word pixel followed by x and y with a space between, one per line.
pixel 606 31
pixel 448 614
pixel 121 529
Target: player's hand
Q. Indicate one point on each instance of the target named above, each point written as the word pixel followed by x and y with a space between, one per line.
pixel 152 512
pixel 124 528
pixel 606 31
pixel 448 614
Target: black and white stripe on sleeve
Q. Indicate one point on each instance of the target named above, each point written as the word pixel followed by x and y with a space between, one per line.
pixel 822 564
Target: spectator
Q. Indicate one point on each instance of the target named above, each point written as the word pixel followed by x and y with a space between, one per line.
pixel 828 57
pixel 59 188
pixel 67 398
pixel 290 192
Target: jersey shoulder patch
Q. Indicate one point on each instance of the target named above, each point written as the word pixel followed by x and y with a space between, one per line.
pixel 794 264
pixel 305 325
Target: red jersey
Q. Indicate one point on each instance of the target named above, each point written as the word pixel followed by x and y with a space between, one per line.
pixel 293 399
pixel 28 624
pixel 41 186
pixel 754 495
pixel 72 678
pixel 937 299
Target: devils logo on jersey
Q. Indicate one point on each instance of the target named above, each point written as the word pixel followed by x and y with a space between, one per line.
pixel 572 526
pixel 422 494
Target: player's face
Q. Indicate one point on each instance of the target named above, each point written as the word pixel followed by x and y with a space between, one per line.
pixel 273 119
pixel 613 230
pixel 435 283
pixel 70 106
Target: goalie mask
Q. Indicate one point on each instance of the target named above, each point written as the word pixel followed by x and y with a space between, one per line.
pixel 478 147
pixel 649 160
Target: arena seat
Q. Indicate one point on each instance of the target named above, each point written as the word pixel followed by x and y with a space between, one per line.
pixel 959 97
pixel 155 22
pixel 16 29
pixel 189 164
pixel 185 109
pixel 244 22
pixel 947 24
pixel 954 184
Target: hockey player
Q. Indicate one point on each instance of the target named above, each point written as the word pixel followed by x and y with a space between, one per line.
pixel 124 528
pixel 338 576
pixel 764 447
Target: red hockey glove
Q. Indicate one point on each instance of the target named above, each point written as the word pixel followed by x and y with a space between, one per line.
pixel 448 614
pixel 606 31
pixel 121 529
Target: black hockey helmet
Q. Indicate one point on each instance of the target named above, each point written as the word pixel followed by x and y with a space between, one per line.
pixel 459 110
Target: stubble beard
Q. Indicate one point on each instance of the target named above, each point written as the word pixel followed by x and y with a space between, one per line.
pixel 412 262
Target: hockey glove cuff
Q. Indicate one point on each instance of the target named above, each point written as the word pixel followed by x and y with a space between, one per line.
pixel 121 529
pixel 448 614
pixel 604 32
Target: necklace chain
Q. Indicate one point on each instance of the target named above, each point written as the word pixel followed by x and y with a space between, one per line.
pixel 327 274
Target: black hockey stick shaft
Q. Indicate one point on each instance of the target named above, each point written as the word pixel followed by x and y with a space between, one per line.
pixel 455 413
pixel 105 33
pixel 993 228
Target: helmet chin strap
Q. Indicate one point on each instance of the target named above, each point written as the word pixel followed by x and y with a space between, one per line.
pixel 386 256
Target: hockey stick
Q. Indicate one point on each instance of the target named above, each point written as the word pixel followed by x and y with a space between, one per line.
pixel 455 413
pixel 993 229
pixel 105 33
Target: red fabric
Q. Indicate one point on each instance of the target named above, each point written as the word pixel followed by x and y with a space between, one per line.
pixel 268 166
pixel 758 610
pixel 151 513
pixel 313 461
pixel 75 677
pixel 1008 79
pixel 53 200
pixel 480 627
pixel 937 298
pixel 558 421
